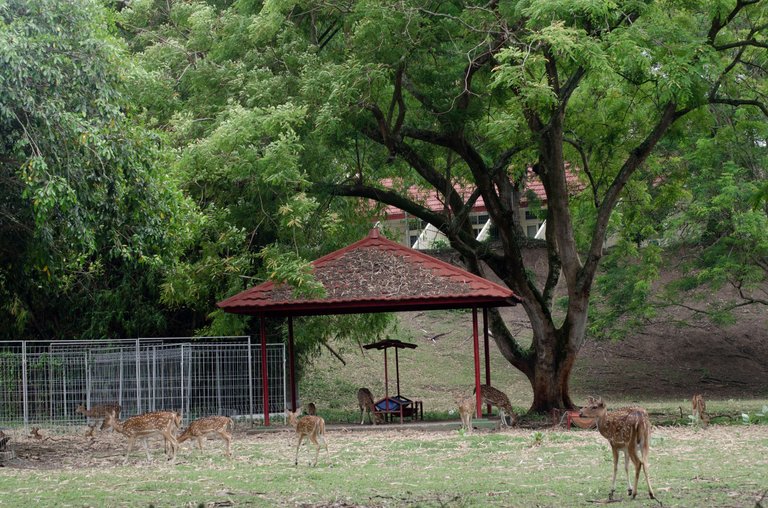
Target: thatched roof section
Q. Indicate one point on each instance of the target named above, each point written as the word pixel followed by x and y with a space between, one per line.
pixel 375 275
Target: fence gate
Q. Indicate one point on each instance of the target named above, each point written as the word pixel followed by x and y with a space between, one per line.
pixel 43 382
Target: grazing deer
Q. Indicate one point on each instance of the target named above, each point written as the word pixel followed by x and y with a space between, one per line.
pixel 98 412
pixel 200 428
pixel 699 410
pixel 496 397
pixel 311 426
pixel 467 406
pixel 162 423
pixel 311 409
pixel 365 402
pixel 627 430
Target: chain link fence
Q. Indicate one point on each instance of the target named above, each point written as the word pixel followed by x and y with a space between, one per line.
pixel 42 383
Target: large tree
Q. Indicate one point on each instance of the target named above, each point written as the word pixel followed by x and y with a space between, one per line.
pixel 479 91
pixel 290 102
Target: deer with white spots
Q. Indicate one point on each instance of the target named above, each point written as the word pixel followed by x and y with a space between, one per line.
pixel 222 426
pixel 162 423
pixel 312 427
pixel 627 430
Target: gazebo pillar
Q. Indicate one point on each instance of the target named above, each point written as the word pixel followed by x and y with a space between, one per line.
pixel 264 374
pixel 475 342
pixel 487 353
pixel 292 363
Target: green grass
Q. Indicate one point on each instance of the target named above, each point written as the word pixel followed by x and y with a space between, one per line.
pixel 719 466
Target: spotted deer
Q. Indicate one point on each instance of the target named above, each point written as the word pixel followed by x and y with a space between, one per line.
pixel 700 415
pixel 163 423
pixel 467 406
pixel 96 413
pixel 627 430
pixel 311 409
pixel 365 402
pixel 200 428
pixel 309 426
pixel 496 397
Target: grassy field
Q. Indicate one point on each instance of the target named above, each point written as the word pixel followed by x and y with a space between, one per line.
pixel 720 466
pixel 724 465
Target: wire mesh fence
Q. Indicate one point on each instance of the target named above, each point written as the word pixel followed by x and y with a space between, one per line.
pixel 44 382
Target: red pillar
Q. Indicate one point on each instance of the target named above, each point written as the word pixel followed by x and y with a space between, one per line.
pixel 292 363
pixel 487 353
pixel 475 342
pixel 264 374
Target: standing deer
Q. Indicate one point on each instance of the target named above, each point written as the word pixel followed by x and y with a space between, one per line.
pixel 496 397
pixel 467 405
pixel 200 428
pixel 627 430
pixel 98 412
pixel 699 410
pixel 311 426
pixel 365 402
pixel 162 423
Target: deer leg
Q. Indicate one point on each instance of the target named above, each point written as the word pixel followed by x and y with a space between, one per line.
pixel 362 416
pixel 313 438
pixel 200 442
pixel 626 471
pixel 130 447
pixel 296 459
pixel 227 439
pixel 644 464
pixel 503 418
pixel 173 446
pixel 146 449
pixel 615 465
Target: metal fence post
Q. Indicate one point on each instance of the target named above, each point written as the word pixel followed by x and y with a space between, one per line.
pixel 24 389
pixel 138 378
pixel 250 377
pixel 181 381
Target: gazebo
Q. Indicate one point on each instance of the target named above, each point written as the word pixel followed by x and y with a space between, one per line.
pixel 374 275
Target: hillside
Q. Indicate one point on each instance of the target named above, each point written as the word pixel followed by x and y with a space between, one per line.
pixel 662 362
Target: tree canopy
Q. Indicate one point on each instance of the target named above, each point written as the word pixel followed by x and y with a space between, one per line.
pixel 218 154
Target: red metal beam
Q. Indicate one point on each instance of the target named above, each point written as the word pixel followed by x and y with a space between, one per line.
pixel 292 363
pixel 475 342
pixel 487 353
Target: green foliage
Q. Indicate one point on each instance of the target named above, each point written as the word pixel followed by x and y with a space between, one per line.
pixel 90 216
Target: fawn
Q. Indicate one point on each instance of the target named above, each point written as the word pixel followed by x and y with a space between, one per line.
pixel 311 409
pixel 365 402
pixel 198 429
pixel 699 410
pixel 467 405
pixel 627 430
pixel 143 426
pixel 98 412
pixel 311 426
pixel 496 397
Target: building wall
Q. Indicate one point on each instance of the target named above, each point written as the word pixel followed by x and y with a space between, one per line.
pixel 407 231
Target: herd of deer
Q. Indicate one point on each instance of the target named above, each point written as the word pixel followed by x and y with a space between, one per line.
pixel 165 424
pixel 627 429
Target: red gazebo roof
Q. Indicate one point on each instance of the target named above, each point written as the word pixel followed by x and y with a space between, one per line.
pixel 375 275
